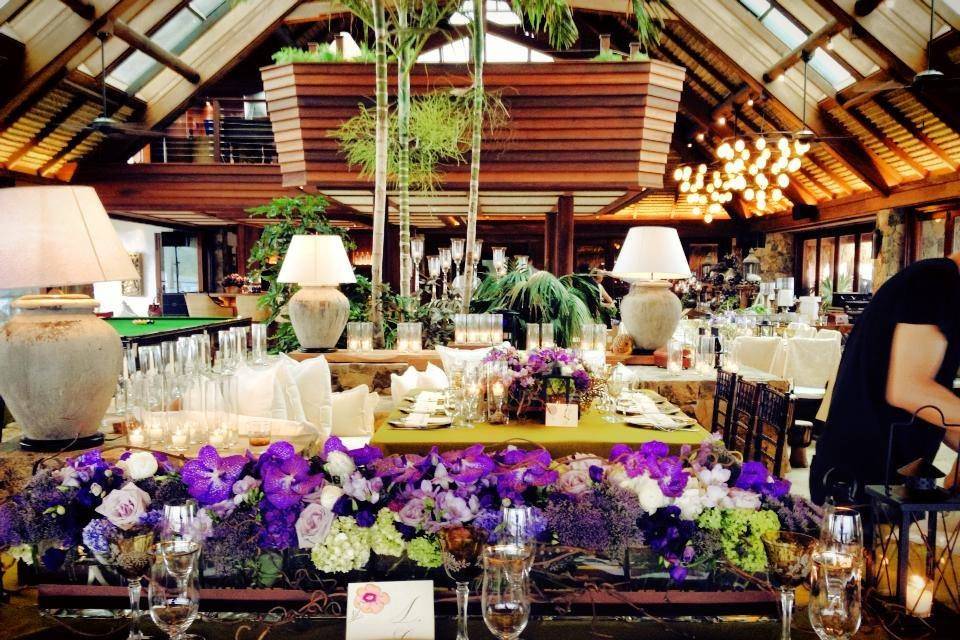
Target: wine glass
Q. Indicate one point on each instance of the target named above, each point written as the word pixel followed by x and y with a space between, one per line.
pixel 788 565
pixel 505 595
pixel 617 383
pixel 843 528
pixel 461 549
pixel 518 529
pixel 130 556
pixel 174 602
pixel 835 604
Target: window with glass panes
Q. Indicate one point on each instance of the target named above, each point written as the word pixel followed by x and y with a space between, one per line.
pixel 835 260
pixel 936 234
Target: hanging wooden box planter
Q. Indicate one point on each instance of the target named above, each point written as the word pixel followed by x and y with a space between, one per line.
pixel 573 125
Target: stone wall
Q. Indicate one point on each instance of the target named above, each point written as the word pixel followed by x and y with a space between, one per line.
pixel 776 256
pixel 888 257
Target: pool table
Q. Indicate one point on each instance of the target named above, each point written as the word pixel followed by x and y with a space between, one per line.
pixel 164 328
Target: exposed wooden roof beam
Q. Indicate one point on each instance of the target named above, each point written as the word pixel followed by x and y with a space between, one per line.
pixel 875 131
pixel 82 8
pixel 10 10
pixel 61 116
pixel 806 48
pixel 142 43
pixel 630 197
pixel 736 98
pixel 916 131
pixel 50 63
pixel 80 82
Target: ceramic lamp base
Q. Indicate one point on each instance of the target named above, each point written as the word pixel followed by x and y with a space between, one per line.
pixel 60 369
pixel 650 314
pixel 318 316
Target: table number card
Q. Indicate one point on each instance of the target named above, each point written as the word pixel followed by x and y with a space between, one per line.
pixel 562 415
pixel 383 610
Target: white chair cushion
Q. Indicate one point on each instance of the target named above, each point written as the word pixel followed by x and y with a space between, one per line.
pixel 313 382
pixel 269 391
pixel 808 393
pixel 351 409
pixel 811 362
pixel 450 356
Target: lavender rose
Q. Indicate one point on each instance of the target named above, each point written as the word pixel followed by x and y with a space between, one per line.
pixel 124 506
pixel 313 525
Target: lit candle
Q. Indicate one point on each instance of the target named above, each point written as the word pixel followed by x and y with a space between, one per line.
pixel 156 433
pixel 179 438
pixel 919 596
pixel 218 438
pixel 497 390
pixel 136 438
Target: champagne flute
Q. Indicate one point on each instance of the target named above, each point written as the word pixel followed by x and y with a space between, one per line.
pixel 505 595
pixel 461 550
pixel 788 565
pixel 518 529
pixel 174 603
pixel 616 384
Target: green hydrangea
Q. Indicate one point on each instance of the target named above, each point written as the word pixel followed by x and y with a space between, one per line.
pixel 740 533
pixel 385 540
pixel 346 547
pixel 425 551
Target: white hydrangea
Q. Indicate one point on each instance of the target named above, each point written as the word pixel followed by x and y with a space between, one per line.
pixel 346 547
pixel 385 540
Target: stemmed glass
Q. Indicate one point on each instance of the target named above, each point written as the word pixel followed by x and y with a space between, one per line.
pixel 500 260
pixel 788 565
pixel 835 602
pixel 505 595
pixel 462 551
pixel 416 252
pixel 477 250
pixel 174 600
pixel 445 261
pixel 433 270
pixel 456 254
pixel 518 529
pixel 130 556
pixel 617 383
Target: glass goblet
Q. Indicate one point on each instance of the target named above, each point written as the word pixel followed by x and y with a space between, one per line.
pixel 462 551
pixel 835 601
pixel 174 602
pixel 130 556
pixel 505 595
pixel 616 384
pixel 788 565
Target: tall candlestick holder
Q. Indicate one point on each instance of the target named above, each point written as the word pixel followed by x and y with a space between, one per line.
pixel 456 254
pixel 446 260
pixel 433 271
pixel 416 252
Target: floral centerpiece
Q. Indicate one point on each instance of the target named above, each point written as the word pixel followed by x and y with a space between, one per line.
pixel 528 374
pixel 232 282
pixel 283 515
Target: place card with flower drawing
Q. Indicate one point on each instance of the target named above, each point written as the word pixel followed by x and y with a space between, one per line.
pixel 378 610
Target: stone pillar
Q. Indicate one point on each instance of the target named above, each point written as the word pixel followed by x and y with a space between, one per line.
pixel 888 256
pixel 776 256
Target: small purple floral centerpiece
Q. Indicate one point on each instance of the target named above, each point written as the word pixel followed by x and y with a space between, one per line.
pixel 527 373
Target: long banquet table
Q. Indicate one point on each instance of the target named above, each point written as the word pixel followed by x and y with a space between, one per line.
pixel 593 435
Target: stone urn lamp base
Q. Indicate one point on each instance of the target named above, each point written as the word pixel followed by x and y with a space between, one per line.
pixel 319 315
pixel 650 314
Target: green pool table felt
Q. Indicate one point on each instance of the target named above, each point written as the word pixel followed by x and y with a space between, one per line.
pixel 127 329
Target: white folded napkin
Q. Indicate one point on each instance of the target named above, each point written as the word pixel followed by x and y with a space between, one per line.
pixel 417 419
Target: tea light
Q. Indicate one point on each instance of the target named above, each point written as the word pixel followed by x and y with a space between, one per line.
pixel 497 390
pixel 136 438
pixel 179 438
pixel 156 433
pixel 218 438
pixel 919 596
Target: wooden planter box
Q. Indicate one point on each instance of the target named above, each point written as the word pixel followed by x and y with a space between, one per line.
pixel 573 125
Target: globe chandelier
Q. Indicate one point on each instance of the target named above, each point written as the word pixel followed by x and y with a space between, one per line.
pixel 756 167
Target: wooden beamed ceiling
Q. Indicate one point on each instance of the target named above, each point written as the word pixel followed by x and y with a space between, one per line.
pixel 884 139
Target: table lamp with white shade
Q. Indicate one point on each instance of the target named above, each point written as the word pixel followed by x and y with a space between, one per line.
pixel 318 311
pixel 649 258
pixel 60 362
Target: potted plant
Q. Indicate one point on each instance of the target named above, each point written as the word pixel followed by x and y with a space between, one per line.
pixel 232 283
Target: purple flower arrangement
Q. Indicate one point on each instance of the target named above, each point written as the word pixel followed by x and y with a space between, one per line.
pixel 343 505
pixel 526 373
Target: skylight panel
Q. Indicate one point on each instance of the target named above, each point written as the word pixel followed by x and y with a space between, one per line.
pixel 781 26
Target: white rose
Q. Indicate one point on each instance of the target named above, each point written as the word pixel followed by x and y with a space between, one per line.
pixel 648 492
pixel 329 496
pixel 139 465
pixel 339 464
pixel 740 499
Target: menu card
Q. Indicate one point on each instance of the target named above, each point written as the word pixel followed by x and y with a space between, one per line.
pixel 379 610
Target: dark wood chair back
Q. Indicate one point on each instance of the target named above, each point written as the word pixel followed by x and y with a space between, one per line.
pixel 743 422
pixel 774 418
pixel 723 404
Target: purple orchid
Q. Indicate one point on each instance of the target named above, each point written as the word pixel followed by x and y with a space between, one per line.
pixel 286 475
pixel 209 477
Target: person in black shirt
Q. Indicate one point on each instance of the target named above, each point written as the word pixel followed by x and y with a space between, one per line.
pixel 903 354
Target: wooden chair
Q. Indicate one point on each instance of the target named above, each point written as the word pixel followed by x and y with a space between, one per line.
pixel 723 403
pixel 774 418
pixel 200 305
pixel 743 423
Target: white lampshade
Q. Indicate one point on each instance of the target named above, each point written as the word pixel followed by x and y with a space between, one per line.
pixel 56 236
pixel 651 253
pixel 316 261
